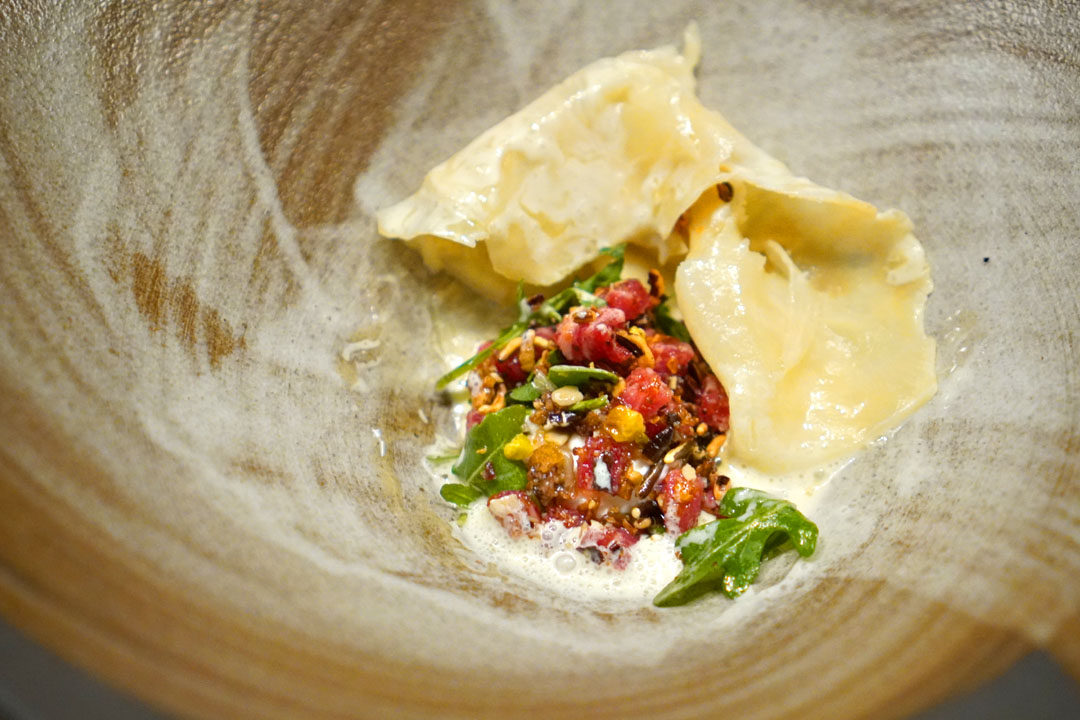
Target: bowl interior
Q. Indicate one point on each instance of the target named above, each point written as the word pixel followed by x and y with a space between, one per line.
pixel 208 503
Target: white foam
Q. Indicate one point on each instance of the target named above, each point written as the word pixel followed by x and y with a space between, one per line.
pixel 552 561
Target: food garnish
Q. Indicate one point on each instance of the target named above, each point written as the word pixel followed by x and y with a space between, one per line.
pixel 613 424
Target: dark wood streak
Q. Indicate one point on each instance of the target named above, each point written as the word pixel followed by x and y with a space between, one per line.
pixel 323 87
pixel 158 298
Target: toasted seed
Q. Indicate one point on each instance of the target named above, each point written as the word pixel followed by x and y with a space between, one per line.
pixel 566 396
pixel 713 448
pixel 701 429
pixel 673 453
pixel 636 513
pixel 689 472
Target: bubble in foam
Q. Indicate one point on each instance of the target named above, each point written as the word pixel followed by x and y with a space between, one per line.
pixel 565 562
pixel 553 562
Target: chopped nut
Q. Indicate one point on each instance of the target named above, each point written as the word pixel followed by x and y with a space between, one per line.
pixel 527 353
pixel 701 429
pixel 636 513
pixel 673 382
pixel 566 396
pixel 497 404
pixel 509 348
pixel 713 449
pixel 689 472
pixel 555 437
pixel 718 491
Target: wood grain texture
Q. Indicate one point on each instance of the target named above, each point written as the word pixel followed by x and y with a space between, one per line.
pixel 206 505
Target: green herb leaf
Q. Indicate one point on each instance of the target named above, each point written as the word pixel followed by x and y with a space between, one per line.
pixel 726 554
pixel 549 312
pixel 524 393
pixel 590 404
pixel 668 324
pixel 484 444
pixel 534 386
pixel 458 494
pixel 610 273
pixel 578 375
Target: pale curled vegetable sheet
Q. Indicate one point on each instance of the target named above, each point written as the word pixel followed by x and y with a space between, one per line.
pixel 806 302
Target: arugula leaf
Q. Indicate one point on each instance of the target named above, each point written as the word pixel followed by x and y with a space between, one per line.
pixel 610 273
pixel 726 554
pixel 668 324
pixel 578 375
pixel 484 444
pixel 534 386
pixel 458 494
pixel 590 404
pixel 524 393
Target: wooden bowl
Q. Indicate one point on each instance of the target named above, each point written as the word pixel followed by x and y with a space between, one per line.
pixel 205 504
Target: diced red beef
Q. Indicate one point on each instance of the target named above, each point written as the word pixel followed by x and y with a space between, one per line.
pixel 608 544
pixel 630 296
pixel 672 357
pixel 594 339
pixel 646 392
pixel 510 370
pixel 614 455
pixel 712 404
pixel 681 499
pixel 547 332
pixel 569 518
